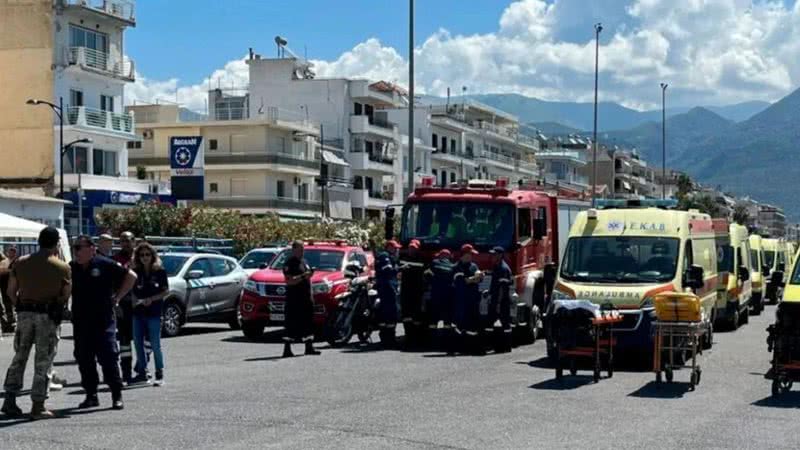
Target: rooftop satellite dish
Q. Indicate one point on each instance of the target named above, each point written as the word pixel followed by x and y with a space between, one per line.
pixel 280 41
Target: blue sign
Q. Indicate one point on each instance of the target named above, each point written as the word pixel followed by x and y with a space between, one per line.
pixel 186 162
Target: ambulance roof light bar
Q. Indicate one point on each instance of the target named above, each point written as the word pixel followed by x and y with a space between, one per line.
pixel 641 203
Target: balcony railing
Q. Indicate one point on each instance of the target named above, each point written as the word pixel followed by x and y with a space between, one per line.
pixel 375 155
pixel 381 122
pixel 497 157
pixel 96 118
pixel 92 59
pixel 558 153
pixel 123 9
pixel 230 113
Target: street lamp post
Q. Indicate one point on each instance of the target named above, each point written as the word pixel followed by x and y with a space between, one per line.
pixel 597 29
pixel 410 99
pixel 59 110
pixel 663 141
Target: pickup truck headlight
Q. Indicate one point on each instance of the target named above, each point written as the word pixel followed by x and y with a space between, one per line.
pixel 321 288
pixel 251 286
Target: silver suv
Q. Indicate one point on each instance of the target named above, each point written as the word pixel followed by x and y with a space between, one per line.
pixel 203 287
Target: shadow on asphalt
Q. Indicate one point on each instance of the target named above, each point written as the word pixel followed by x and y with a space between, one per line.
pixel 661 390
pixel 270 337
pixel 787 400
pixel 564 384
pixel 65 363
pixel 63 413
pixel 190 330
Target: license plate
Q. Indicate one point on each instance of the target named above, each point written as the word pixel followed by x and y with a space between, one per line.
pixel 277 317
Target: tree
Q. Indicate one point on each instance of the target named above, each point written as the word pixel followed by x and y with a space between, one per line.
pixel 740 214
pixel 703 203
pixel 685 186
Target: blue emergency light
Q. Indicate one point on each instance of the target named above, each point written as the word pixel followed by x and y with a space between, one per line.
pixel 641 203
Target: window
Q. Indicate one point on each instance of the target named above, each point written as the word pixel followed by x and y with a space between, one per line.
pixel 620 259
pixel 322 260
pixel 104 162
pixel 452 224
pixel 435 174
pixel 75 160
pixel 219 267
pixel 203 265
pixel 435 141
pixel 444 144
pixel 213 188
pixel 277 144
pixel 280 188
pixel 524 230
pixel 75 98
pixel 107 103
pixel 256 258
pixel 212 144
pixel 357 109
pixel 444 178
pixel 453 146
pixel 134 145
pixel 543 216
pixel 83 37
pixel 302 192
pixel 452 177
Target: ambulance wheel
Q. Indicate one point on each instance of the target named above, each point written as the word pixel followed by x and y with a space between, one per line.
pixel 744 317
pixel 735 319
pixel 708 338
pixel 668 374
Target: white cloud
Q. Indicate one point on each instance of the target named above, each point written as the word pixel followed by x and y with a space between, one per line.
pixel 710 52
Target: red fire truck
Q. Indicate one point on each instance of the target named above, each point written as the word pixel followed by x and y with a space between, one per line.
pixel 530 222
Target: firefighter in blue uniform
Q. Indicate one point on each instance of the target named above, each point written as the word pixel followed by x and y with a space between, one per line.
pixel 440 306
pixel 498 324
pixel 412 289
pixel 98 285
pixel 466 286
pixel 386 283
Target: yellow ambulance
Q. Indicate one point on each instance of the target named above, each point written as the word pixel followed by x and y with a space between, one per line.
pixel 626 252
pixel 757 274
pixel 735 288
pixel 774 268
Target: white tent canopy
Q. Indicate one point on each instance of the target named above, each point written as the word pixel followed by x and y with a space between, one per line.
pixel 13 227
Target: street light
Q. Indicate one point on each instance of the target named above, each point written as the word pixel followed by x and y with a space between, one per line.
pixel 410 100
pixel 598 27
pixel 59 110
pixel 663 140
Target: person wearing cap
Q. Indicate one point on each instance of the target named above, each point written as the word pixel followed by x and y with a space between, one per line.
pixel 499 317
pixel 412 288
pixel 8 318
pixel 99 284
pixel 105 245
pixel 440 304
pixel 39 286
pixel 386 285
pixel 466 285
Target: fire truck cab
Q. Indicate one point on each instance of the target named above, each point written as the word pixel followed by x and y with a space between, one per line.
pixel 486 214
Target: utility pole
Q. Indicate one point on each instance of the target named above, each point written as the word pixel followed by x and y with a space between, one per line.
pixel 410 99
pixel 597 29
pixel 663 141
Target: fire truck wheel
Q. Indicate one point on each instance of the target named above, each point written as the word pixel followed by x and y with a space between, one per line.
pixel 526 332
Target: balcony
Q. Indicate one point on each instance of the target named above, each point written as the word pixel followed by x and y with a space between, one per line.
pixel 364 198
pixel 116 184
pixel 375 159
pixel 100 62
pixel 363 124
pixel 572 156
pixel 99 120
pixel 292 161
pixel 498 158
pixel 263 203
pixel 124 10
pixel 507 133
pixel 360 90
pixel 579 180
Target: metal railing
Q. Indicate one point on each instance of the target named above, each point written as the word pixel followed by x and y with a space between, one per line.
pixel 97 118
pixel 581 156
pixel 230 113
pixel 124 9
pixel 381 122
pixel 498 157
pixel 104 62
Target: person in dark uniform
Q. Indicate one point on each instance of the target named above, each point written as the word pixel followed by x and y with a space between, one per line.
pixel 124 313
pixel 299 302
pixel 386 285
pixel 412 288
pixel 500 302
pixel 466 281
pixel 440 303
pixel 98 284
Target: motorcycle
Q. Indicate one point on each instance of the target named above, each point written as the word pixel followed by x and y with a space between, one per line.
pixel 355 313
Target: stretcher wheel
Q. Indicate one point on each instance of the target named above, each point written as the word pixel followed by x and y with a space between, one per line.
pixel 695 378
pixel 668 373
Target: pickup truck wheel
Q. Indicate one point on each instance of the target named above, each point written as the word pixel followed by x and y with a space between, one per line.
pixel 236 321
pixel 252 330
pixel 172 319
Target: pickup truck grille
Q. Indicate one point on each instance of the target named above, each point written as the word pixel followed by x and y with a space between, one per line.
pixel 275 290
pixel 277 307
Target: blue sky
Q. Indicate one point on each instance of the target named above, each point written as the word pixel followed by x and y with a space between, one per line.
pixel 710 52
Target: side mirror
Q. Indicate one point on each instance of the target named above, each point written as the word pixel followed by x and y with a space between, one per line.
pixel 194 274
pixel 694 277
pixel 744 274
pixel 353 270
pixel 539 229
pixel 262 266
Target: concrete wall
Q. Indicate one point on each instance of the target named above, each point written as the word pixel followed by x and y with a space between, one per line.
pixel 26 132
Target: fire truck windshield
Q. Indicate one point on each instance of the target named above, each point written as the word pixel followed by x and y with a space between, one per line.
pixel 451 224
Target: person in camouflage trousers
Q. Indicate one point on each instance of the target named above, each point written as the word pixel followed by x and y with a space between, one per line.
pixel 39 285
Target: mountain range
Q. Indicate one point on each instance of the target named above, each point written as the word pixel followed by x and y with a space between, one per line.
pixel 746 148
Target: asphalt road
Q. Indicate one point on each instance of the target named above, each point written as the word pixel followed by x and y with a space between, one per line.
pixel 225 392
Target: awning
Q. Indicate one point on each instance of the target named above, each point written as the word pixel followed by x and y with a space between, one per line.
pixel 339 204
pixel 332 158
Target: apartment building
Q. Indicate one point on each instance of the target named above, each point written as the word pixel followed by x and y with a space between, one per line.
pixel 272 163
pixel 625 173
pixel 353 116
pixel 73 70
pixel 771 221
pixel 562 161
